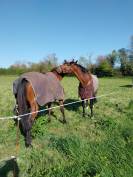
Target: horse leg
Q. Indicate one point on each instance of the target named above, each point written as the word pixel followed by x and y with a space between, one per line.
pixel 83 106
pixel 49 112
pixel 95 99
pixel 31 118
pixel 91 106
pixel 33 113
pixel 28 138
pixel 62 110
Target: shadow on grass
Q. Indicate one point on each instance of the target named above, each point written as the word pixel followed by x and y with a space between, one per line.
pixel 128 86
pixel 44 113
pixel 9 166
pixel 72 107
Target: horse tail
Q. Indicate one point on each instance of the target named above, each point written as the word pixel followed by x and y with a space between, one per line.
pixel 23 106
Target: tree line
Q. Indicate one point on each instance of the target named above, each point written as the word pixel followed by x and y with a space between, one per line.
pixel 117 63
pixel 43 66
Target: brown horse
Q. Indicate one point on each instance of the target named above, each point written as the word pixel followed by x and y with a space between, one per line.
pixel 33 90
pixel 88 85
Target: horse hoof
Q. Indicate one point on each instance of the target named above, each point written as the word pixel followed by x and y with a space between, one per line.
pixel 28 145
pixel 49 120
pixel 64 121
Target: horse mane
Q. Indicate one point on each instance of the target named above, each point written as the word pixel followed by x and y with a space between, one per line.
pixel 83 69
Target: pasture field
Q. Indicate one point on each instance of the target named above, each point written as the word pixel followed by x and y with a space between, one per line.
pixel 101 146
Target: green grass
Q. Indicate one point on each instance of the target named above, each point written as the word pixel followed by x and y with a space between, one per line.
pixel 84 147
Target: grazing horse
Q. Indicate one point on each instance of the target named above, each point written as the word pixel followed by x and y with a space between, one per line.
pixel 88 85
pixel 32 90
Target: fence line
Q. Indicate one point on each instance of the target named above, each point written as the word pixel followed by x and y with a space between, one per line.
pixel 46 109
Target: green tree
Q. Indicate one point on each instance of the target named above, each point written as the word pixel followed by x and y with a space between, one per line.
pixel 112 58
pixel 124 61
pixel 131 55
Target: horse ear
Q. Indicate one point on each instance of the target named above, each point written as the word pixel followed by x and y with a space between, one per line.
pixel 76 61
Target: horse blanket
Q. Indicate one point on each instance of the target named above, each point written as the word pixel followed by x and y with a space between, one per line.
pixel 89 90
pixel 47 87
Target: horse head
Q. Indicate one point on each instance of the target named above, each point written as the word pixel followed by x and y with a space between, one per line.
pixel 66 67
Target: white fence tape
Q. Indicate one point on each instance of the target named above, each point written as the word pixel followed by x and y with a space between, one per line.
pixel 42 110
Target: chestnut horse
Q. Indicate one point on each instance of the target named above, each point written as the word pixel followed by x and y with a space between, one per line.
pixel 88 85
pixel 26 98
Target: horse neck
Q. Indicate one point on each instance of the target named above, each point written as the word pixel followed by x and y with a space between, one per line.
pixel 83 77
pixel 59 76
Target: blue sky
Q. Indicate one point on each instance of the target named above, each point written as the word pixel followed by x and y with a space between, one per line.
pixel 32 29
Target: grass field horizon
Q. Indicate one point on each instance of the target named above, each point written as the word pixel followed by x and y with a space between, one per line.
pixel 101 146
